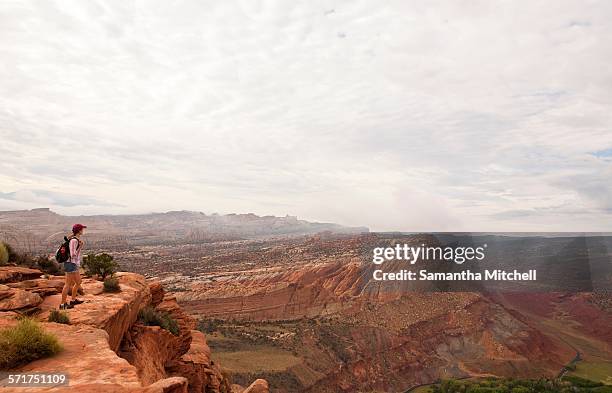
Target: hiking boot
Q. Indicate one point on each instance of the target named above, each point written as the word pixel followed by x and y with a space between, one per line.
pixel 65 306
pixel 74 302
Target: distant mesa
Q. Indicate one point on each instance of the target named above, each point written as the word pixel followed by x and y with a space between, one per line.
pixel 158 228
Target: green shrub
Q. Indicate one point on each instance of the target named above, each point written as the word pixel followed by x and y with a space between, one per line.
pixel 111 284
pixel 511 385
pixel 4 254
pixel 101 265
pixel 152 317
pixel 25 342
pixel 581 382
pixel 22 259
pixel 59 317
pixel 12 255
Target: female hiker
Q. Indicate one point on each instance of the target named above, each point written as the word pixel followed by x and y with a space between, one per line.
pixel 71 267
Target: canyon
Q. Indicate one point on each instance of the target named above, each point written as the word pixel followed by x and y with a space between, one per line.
pixel 308 309
pixel 300 310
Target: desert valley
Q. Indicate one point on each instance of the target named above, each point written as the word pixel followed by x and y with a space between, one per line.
pixel 292 302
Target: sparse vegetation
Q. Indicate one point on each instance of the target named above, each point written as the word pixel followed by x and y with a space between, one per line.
pixel 600 371
pixel 510 385
pixel 11 253
pixel 25 342
pixel 4 254
pixel 8 255
pixel 59 317
pixel 47 265
pixel 582 382
pixel 334 341
pixel 571 366
pixel 209 326
pixel 152 317
pixel 289 354
pixel 101 265
pixel 111 284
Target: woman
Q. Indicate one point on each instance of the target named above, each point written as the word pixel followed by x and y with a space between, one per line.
pixel 72 266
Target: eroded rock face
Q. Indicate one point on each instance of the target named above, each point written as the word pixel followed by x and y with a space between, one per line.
pixel 42 286
pixel 116 312
pixel 149 349
pixel 14 299
pixel 157 292
pixel 381 336
pixel 157 353
pixel 152 359
pixel 168 385
pixel 17 273
pixel 186 322
pixel 258 386
pixel 197 367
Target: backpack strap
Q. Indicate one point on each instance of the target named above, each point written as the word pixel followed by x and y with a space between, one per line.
pixel 78 241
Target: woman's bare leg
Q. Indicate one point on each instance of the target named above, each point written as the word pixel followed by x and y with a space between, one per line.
pixel 77 284
pixel 68 284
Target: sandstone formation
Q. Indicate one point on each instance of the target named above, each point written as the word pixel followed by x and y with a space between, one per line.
pixel 259 386
pixel 14 299
pixel 315 300
pixel 17 273
pixel 42 286
pixel 157 353
pixel 106 349
pixel 157 292
pixel 197 366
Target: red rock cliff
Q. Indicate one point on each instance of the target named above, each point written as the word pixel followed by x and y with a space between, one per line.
pixel 106 348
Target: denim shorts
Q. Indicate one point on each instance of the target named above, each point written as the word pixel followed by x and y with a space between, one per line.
pixel 70 267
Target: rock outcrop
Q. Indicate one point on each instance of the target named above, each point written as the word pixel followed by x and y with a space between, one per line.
pixel 115 313
pixel 17 273
pixel 185 322
pixel 14 299
pixel 42 286
pixel 87 357
pixel 157 292
pixel 259 386
pixel 149 349
pixel 197 366
pixel 157 353
pixel 106 349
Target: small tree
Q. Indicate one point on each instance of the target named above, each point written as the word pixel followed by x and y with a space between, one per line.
pixel 101 264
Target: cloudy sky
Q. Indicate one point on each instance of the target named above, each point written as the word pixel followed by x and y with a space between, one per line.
pixel 397 115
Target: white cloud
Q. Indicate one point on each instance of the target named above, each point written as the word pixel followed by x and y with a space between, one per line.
pixel 471 115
